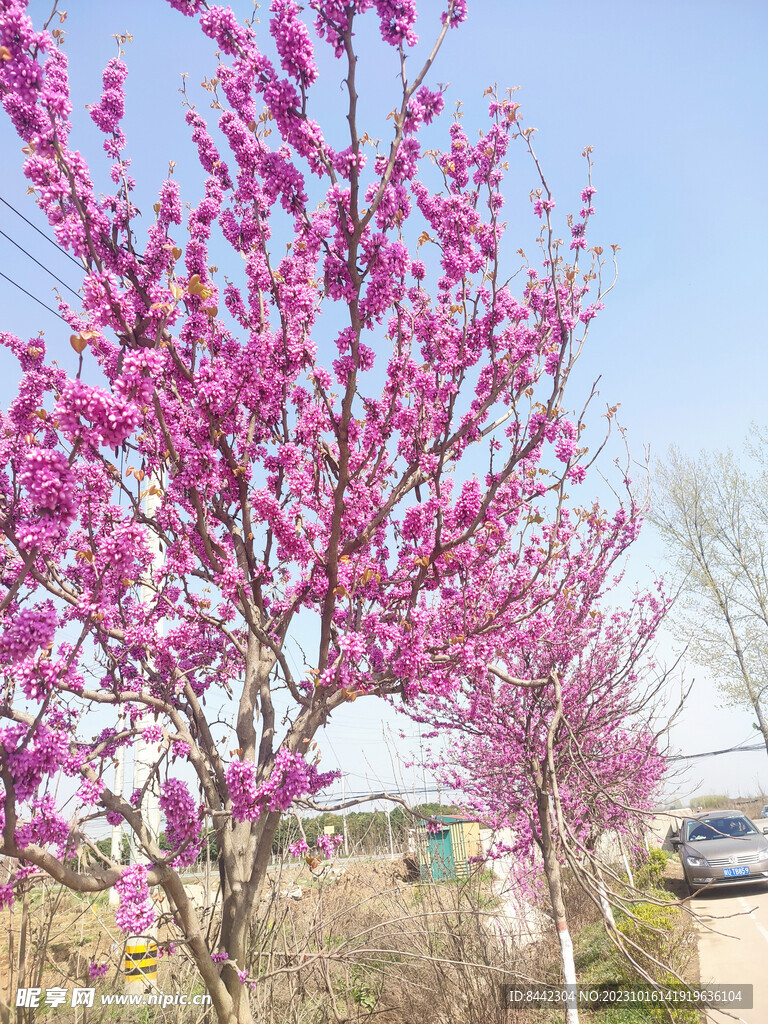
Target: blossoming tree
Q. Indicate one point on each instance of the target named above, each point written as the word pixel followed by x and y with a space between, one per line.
pixel 360 434
pixel 559 742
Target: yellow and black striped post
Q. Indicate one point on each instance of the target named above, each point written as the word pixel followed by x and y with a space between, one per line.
pixel 140 964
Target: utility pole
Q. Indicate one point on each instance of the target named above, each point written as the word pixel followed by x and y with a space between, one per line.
pixel 423 769
pixel 116 849
pixel 144 754
pixel 141 950
pixel 344 818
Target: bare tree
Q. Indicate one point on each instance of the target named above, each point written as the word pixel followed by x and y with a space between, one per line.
pixel 712 515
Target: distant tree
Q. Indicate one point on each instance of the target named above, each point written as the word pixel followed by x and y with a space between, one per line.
pixel 105 846
pixel 713 516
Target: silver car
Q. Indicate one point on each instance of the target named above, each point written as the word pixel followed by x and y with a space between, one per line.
pixel 722 848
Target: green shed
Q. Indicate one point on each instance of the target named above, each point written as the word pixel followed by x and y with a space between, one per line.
pixel 447 848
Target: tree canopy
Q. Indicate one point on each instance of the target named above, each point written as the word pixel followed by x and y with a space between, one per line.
pixel 367 432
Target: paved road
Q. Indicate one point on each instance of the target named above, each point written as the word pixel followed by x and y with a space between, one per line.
pixel 733 945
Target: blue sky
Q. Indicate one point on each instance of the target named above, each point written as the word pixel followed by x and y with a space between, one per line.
pixel 670 96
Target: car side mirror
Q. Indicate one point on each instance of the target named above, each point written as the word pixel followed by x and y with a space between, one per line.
pixel 677 841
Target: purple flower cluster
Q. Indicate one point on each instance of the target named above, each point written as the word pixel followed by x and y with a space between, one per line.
pixel 30 760
pixel 291 778
pixel 397 20
pixel 187 7
pixel 565 446
pixel 88 412
pixel 46 828
pixel 329 844
pixel 26 632
pixel 293 43
pixel 456 13
pixel 182 820
pixel 20 75
pixel 152 733
pixel 48 480
pixel 135 913
pixel 90 791
pixel 108 113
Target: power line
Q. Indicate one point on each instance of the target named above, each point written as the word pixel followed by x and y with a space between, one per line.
pixel 40 301
pixel 46 237
pixel 715 753
pixel 41 265
pixel 394 791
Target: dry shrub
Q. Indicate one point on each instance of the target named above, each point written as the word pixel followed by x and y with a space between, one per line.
pixel 48 939
pixel 368 944
pixel 362 942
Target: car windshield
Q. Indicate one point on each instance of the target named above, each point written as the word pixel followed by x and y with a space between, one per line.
pixel 720 828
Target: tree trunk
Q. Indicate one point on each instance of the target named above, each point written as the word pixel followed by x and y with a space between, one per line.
pixel 241 1006
pixel 605 907
pixel 252 846
pixel 555 885
pixel 752 692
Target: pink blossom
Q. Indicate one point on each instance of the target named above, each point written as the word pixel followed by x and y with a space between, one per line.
pixel 397 20
pixel 329 844
pixel 46 827
pixel 48 480
pixel 293 42
pixel 27 631
pixel 6 895
pixel 182 820
pixel 152 733
pixel 291 777
pixel 135 912
pixel 91 414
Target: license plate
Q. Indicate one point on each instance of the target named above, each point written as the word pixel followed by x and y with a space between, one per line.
pixel 735 872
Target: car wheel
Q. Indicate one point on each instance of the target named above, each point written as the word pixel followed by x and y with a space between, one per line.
pixel 692 890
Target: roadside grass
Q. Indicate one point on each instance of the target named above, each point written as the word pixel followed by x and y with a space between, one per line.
pixel 599 965
pixel 657 924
